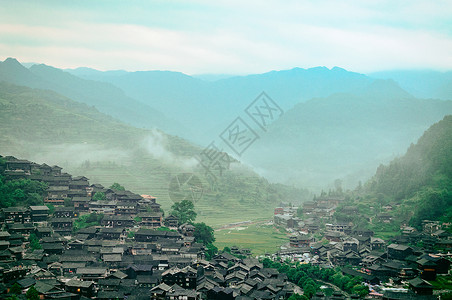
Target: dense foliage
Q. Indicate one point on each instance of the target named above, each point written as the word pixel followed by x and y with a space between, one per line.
pixel 88 220
pixel 305 276
pixel 412 188
pixel 117 187
pixel 184 211
pixel 21 192
pixel 99 196
pixel 203 233
pixel 34 242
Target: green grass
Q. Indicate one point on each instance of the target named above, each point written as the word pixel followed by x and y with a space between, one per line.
pixel 386 235
pixel 257 237
pixel 442 282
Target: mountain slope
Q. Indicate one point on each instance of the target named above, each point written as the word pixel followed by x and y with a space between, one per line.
pixel 343 136
pixel 44 126
pixel 104 96
pixel 420 182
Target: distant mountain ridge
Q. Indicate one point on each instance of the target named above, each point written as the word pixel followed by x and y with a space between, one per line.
pixel 207 107
pixel 343 136
pixel 337 124
pixel 422 84
pixel 104 96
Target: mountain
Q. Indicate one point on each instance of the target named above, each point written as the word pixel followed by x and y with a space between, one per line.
pixel 207 107
pixel 104 96
pixel 344 136
pixel 337 124
pixel 44 126
pixel 422 84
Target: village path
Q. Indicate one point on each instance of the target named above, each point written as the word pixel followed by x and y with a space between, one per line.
pixel 335 288
pixel 240 224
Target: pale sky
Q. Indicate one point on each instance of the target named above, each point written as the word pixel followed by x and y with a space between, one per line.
pixel 228 37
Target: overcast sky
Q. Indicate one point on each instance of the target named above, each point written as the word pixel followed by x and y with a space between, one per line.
pixel 229 37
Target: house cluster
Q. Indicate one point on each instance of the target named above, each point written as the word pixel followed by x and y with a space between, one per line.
pixel 100 263
pixel 74 196
pixel 320 208
pixel 128 256
pixel 408 260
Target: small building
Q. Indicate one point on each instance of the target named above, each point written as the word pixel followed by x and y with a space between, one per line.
pixel 300 241
pixel 43 232
pixel 56 194
pixel 39 213
pixel 126 208
pixel 65 212
pixel 397 251
pixel 172 221
pixel 420 286
pixel 185 277
pixel 111 233
pixel 92 273
pixel 151 219
pixel 84 288
pixel 17 214
pixel 376 244
pixel 81 203
pixel 62 225
pixel 117 221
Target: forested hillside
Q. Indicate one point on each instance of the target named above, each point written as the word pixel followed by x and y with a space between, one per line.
pixel 421 180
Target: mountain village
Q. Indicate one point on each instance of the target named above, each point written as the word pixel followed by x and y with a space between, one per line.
pixel 129 256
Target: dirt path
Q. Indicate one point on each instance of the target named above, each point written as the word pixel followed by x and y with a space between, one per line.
pixel 335 288
pixel 240 224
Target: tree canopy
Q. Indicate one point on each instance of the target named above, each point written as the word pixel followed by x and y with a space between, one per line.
pixel 23 192
pixel 117 187
pixel 184 211
pixel 99 196
pixel 203 234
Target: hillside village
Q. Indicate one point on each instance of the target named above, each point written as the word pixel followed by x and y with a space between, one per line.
pixel 397 268
pixel 135 252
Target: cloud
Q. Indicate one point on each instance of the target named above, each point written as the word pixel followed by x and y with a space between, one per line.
pixel 232 37
pixel 73 155
pixel 156 145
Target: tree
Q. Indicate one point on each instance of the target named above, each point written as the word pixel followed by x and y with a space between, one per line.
pixel 99 196
pixel 309 290
pixel 34 242
pixel 67 202
pixel 211 250
pixel 203 234
pixel 32 294
pixel 15 289
pixel 300 211
pixel 51 208
pixel 297 297
pixel 184 211
pixel 117 187
pixel 88 220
